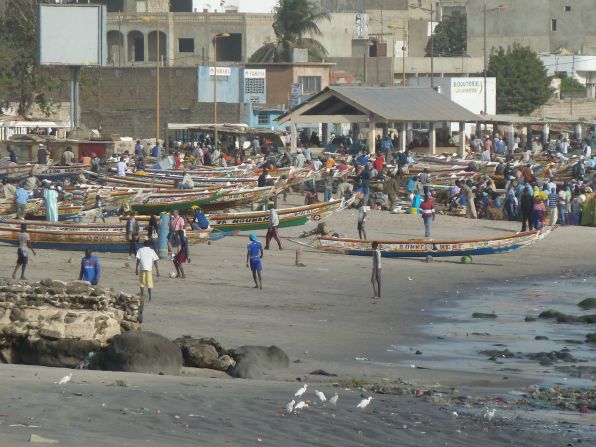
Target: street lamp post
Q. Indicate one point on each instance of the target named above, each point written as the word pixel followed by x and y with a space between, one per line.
pixel 217 36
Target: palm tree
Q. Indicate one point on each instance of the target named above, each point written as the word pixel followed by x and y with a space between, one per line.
pixel 293 20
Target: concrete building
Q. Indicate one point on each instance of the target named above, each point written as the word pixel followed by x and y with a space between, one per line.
pixel 544 25
pixel 186 37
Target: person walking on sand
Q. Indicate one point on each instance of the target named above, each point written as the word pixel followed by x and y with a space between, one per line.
pixel 362 213
pixel 254 254
pixel 273 230
pixel 24 243
pixel 132 234
pixel 182 256
pixel 90 268
pixel 427 207
pixel 146 259
pixel 376 270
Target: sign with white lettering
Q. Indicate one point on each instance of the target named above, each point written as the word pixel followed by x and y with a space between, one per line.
pixel 255 73
pixel 221 71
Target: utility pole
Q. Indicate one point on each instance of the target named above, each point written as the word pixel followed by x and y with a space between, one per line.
pixel 485 94
pixel 572 78
pixel 432 47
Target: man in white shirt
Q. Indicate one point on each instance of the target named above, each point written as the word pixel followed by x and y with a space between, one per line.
pixel 146 259
pixel 272 232
pixel 121 168
pixel 300 159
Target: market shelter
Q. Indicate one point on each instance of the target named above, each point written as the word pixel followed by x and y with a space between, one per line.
pixel 380 106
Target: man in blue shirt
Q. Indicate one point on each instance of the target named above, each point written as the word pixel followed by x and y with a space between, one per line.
pixel 254 254
pixel 90 268
pixel 21 196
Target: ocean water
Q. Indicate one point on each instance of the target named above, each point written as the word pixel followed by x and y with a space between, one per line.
pixel 454 338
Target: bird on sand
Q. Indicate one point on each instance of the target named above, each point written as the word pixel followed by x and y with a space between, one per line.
pixel 300 405
pixel 290 406
pixel 489 414
pixel 64 380
pixel 301 391
pixel 364 403
pixel 321 395
pixel 333 400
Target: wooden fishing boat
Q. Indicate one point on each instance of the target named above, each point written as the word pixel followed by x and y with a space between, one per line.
pixel 181 200
pixel 79 236
pixel 8 206
pixel 424 248
pixel 66 211
pixel 288 217
pixel 155 203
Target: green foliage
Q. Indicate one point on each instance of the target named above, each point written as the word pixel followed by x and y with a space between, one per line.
pixel 295 26
pixel 20 76
pixel 522 83
pixel 450 38
pixel 570 85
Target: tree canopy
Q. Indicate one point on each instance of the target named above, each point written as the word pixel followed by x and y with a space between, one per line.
pixel 450 37
pixel 295 26
pixel 20 76
pixel 522 83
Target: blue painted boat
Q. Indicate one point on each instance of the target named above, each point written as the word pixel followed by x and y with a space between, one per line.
pixel 424 248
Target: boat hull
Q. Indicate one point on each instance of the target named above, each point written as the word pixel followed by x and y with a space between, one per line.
pixel 97 237
pixel 290 217
pixel 423 248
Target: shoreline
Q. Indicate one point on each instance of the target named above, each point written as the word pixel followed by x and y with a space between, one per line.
pixel 321 315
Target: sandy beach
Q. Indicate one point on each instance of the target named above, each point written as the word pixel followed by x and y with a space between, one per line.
pixel 322 316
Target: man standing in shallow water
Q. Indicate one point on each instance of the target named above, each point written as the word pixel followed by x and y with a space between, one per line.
pixel 254 254
pixel 376 270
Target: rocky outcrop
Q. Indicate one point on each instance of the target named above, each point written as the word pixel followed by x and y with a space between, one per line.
pixel 54 323
pixel 204 353
pixel 142 352
pixel 253 362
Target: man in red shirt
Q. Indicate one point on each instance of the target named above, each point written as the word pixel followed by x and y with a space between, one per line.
pixel 428 212
pixel 379 162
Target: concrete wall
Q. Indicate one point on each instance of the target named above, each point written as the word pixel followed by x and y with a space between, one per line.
pixel 124 101
pixel 528 22
pixel 582 108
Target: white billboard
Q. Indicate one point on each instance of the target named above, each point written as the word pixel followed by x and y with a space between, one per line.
pixel 72 34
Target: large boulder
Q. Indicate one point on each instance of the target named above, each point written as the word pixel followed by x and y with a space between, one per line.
pixel 204 353
pixel 253 362
pixel 143 352
pixel 66 353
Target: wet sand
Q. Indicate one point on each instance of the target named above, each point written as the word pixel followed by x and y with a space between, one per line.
pixel 322 316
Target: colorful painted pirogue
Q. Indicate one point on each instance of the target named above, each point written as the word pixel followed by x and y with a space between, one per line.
pixel 423 248
pixel 76 236
pixel 154 203
pixel 288 217
pixel 66 211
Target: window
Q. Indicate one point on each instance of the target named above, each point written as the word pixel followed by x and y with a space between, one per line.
pixel 567 8
pixel 310 84
pixel 186 45
pixel 141 5
pixel 263 119
pixel 553 24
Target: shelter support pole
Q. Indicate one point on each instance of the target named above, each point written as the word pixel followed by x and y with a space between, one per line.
pixel 164 229
pixel 545 134
pixel 510 137
pixel 478 130
pixel 293 135
pixel 578 131
pixel 402 137
pixel 462 139
pixel 524 136
pixel 75 74
pixel 371 136
pixel 409 133
pixel 324 134
pixel 432 139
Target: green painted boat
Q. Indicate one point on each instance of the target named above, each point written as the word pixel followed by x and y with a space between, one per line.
pixel 288 217
pixel 155 203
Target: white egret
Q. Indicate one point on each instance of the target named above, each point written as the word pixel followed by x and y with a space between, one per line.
pixel 364 403
pixel 301 391
pixel 321 395
pixel 64 380
pixel 290 406
pixel 333 400
pixel 300 405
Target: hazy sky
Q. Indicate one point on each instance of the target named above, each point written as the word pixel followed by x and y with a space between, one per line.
pixel 243 5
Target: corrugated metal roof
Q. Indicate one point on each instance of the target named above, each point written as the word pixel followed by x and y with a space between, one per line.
pixel 400 104
pixel 406 103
